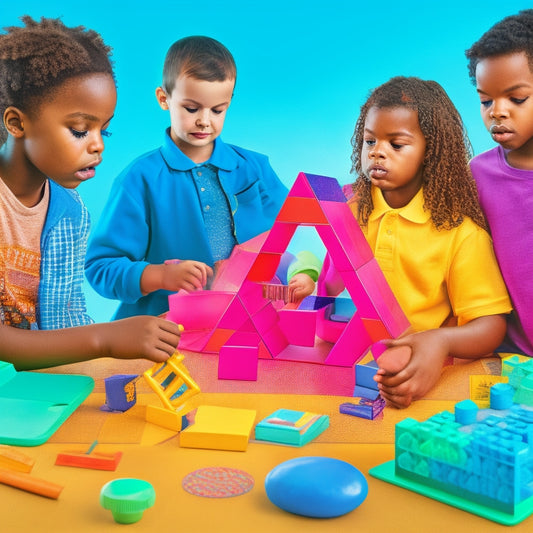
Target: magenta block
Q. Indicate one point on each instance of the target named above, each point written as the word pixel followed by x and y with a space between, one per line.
pixel 238 362
pixel 352 345
pixel 266 318
pixel 298 326
pixel 360 295
pixel 385 303
pixel 274 340
pixel 301 187
pixel 279 237
pixel 234 316
pixel 348 233
pixel 198 310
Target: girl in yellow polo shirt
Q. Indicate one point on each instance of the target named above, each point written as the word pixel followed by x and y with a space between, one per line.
pixel 416 202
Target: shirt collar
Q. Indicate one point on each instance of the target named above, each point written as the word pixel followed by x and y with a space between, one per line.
pixel 223 157
pixel 413 211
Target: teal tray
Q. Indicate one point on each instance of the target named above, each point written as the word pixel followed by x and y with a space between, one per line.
pixel 386 472
pixel 33 405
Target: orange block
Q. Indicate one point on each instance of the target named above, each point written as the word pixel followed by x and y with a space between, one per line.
pixel 302 211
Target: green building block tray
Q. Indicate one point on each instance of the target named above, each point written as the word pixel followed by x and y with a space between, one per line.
pixel 386 472
pixel 33 405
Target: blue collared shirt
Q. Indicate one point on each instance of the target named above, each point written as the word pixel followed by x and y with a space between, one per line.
pixel 154 213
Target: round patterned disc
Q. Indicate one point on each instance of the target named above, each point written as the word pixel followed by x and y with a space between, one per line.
pixel 218 482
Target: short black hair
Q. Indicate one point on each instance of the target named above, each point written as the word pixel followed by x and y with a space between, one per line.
pixel 510 35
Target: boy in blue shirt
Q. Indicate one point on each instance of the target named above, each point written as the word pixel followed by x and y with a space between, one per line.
pixel 175 211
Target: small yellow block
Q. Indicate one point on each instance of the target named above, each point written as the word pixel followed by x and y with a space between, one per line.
pixel 219 428
pixel 13 459
pixel 164 417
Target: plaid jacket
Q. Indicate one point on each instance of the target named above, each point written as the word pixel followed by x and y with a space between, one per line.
pixel 61 301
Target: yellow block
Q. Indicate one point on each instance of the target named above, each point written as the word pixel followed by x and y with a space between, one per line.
pixel 219 428
pixel 13 459
pixel 164 417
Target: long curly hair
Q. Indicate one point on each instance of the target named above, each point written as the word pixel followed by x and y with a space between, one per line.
pixel 449 190
pixel 511 35
pixel 35 59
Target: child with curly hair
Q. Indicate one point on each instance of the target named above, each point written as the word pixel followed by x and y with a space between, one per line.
pixel 57 97
pixel 416 202
pixel 501 67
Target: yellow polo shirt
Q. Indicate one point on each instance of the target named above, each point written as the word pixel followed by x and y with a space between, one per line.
pixel 435 273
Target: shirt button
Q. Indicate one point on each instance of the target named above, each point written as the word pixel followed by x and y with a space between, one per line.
pixel 389 232
pixel 207 207
pixel 202 189
pixel 198 173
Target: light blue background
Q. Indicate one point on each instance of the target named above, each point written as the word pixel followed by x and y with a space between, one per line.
pixel 304 70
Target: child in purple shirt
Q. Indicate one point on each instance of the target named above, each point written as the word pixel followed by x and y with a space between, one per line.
pixel 501 67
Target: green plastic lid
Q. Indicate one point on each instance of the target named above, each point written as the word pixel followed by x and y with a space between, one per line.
pixel 127 498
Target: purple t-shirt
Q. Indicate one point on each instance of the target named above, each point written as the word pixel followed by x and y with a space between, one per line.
pixel 506 197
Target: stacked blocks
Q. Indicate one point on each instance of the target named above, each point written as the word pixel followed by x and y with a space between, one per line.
pixel 480 460
pixel 370 403
pixel 238 321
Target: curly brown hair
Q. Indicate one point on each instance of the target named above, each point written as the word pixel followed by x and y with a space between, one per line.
pixel 511 35
pixel 449 190
pixel 37 58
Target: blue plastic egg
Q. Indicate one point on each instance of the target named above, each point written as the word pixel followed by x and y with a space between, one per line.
pixel 319 487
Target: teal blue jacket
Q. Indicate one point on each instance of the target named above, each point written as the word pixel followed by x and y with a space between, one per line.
pixel 153 214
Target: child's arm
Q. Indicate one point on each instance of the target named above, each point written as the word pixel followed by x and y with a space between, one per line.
pixel 137 337
pixel 429 351
pixel 174 275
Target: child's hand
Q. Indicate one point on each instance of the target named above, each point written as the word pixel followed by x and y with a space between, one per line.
pixel 148 337
pixel 403 377
pixel 175 275
pixel 187 275
pixel 300 286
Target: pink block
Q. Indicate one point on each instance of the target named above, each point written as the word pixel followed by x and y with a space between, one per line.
pixel 301 187
pixel 238 362
pixel 266 318
pixel 352 345
pixel 299 327
pixel 198 310
pixel 385 302
pixel 279 238
pixel 251 295
pixel 348 233
pixel 275 341
pixel 363 301
pixel 328 330
pixel 234 316
pixel 335 248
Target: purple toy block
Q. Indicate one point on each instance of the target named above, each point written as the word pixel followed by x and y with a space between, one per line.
pixel 326 189
pixel 298 326
pixel 120 392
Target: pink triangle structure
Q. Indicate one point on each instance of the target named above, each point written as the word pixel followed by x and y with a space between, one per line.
pixel 235 320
